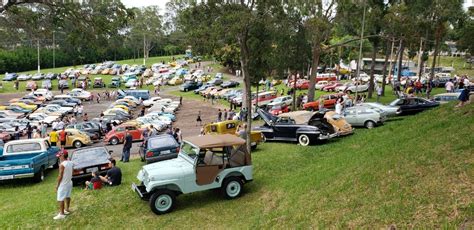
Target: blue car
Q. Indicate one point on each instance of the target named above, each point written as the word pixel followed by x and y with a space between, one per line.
pixel 169 115
pixel 159 148
pixel 10 77
pixel 18 109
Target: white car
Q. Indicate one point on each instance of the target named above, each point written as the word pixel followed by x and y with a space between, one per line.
pixel 363 117
pixel 132 98
pixel 352 88
pixel 24 77
pixel 151 101
pixel 36 118
pixel 80 94
pixel 161 108
pixel 199 166
pixel 320 84
pixel 163 119
pixel 388 110
pixel 157 124
pixel 64 110
pixel 283 100
pixel 43 93
pixel 131 83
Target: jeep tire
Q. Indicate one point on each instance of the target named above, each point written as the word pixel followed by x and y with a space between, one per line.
pixel 232 187
pixel 162 201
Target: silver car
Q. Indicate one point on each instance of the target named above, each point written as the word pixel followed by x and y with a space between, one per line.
pixel 363 117
pixel 389 111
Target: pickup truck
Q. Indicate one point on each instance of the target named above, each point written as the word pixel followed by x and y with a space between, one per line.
pixel 27 158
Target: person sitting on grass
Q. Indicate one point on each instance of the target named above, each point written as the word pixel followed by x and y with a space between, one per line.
pixel 114 175
pixel 95 183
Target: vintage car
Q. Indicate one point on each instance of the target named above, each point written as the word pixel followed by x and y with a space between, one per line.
pixel 130 83
pixel 10 76
pixel 36 118
pixel 38 76
pixel 115 82
pixel 329 102
pixel 31 85
pixel 352 88
pixel 231 127
pixel 321 84
pixel 159 148
pixel 76 138
pixel 446 97
pixel 88 127
pixel 339 123
pixel 88 160
pixel 331 87
pixel 301 126
pixel 279 109
pixel 27 158
pixel 364 117
pixel 388 110
pixel 117 134
pixel 190 85
pixel 283 100
pixel 412 105
pixel 175 81
pixel 24 105
pixel 98 83
pixel 80 94
pixel 151 101
pixel 203 163
pixel 230 84
pixel 24 77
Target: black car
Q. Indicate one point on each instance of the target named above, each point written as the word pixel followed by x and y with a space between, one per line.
pixel 203 87
pixel 63 103
pixel 88 160
pixel 412 105
pixel 302 126
pixel 230 84
pixel 190 85
pixel 73 100
pixel 89 127
pixel 159 148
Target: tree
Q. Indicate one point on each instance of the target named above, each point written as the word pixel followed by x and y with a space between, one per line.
pixel 147 27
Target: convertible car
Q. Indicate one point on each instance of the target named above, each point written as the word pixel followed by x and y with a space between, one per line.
pixel 302 126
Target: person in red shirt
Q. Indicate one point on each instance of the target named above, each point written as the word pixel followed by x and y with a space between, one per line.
pixel 62 137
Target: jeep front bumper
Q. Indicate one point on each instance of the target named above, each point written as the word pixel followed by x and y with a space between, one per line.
pixel 141 191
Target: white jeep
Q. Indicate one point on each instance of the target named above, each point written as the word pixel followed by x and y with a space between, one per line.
pixel 203 163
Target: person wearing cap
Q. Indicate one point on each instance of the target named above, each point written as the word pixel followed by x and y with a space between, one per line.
pixel 64 185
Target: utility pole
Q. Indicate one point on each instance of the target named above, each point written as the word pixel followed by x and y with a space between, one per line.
pixel 54 52
pixel 144 50
pixel 391 58
pixel 38 54
pixel 360 51
pixel 420 53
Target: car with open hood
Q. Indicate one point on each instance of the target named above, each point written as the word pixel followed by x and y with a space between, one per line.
pixel 303 127
pixel 341 126
pixel 203 163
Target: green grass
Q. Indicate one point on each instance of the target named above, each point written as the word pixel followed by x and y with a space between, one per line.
pixel 412 172
pixel 459 64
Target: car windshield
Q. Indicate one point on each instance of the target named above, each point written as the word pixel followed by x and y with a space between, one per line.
pixel 159 142
pixel 189 150
pixel 23 147
pixel 89 157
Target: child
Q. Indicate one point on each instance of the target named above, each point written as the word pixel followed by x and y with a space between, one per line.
pixel 95 183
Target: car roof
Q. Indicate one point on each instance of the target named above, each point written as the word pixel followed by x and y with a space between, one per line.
pixel 212 141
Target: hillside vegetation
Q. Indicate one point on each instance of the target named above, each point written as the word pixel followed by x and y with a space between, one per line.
pixel 413 172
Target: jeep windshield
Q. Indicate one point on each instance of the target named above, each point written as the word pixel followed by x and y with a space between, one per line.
pixel 189 150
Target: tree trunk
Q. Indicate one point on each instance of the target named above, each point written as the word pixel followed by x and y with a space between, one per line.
pixel 400 60
pixel 436 51
pixel 247 103
pixel 372 68
pixel 314 72
pixel 384 69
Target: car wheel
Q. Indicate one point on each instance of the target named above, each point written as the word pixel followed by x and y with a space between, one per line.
pixel 232 187
pixel 162 201
pixel 77 144
pixel 185 90
pixel 349 92
pixel 39 176
pixel 114 141
pixel 369 124
pixel 303 140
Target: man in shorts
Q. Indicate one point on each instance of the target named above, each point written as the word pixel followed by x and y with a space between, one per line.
pixel 64 185
pixel 114 175
pixel 62 137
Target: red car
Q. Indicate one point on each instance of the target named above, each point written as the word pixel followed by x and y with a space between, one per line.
pixel 302 84
pixel 5 136
pixel 278 109
pixel 326 77
pixel 331 86
pixel 117 134
pixel 329 102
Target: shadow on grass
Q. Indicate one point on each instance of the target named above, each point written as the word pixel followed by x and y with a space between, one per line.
pixel 21 182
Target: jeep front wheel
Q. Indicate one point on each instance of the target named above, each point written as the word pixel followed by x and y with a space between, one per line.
pixel 162 201
pixel 232 187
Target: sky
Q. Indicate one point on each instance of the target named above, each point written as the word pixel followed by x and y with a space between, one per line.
pixel 141 3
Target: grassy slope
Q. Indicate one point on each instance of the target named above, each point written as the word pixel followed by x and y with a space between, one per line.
pixel 413 172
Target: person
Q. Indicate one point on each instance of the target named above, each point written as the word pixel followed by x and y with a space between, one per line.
pixel 379 93
pixel 85 117
pixel 17 133
pixel 44 127
pixel 53 137
pixel 241 131
pixel 338 106
pixel 73 120
pixel 36 133
pixel 202 132
pixel 142 112
pixel 219 115
pixel 321 104
pixel 449 86
pixel 62 137
pixel 98 98
pixel 64 185
pixel 80 110
pixel 127 145
pixel 113 176
pixel 180 100
pixel 95 182
pixel 225 114
pixel 29 130
pixel 179 136
pixel 198 119
pixel 463 97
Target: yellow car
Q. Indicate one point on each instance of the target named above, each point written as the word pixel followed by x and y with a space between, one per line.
pixel 128 101
pixel 119 107
pixel 24 105
pixel 76 138
pixel 231 127
pixel 3 107
pixel 175 81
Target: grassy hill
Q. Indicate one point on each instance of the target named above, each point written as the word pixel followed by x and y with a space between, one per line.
pixel 413 172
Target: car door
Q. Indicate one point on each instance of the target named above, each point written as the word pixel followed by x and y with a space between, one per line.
pixel 136 135
pixel 285 128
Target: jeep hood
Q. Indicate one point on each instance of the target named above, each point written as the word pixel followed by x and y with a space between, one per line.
pixel 167 169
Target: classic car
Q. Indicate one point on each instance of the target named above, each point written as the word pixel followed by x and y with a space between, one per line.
pixel 46 84
pixel 151 101
pixel 98 83
pixel 24 77
pixel 68 99
pixel 279 109
pixel 88 127
pixel 230 84
pixel 331 86
pixel 76 138
pixel 10 76
pixel 446 97
pixel 363 117
pixel 159 148
pixel 45 93
pixel 412 105
pixel 36 118
pixel 301 126
pixel 215 81
pixel 51 76
pixel 352 88
pixel 204 163
pixel 302 84
pixel 38 76
pixel 231 127
pixel 24 105
pixel 130 83
pixel 175 81
pixel 283 100
pixel 321 84
pixel 88 160
pixel 9 113
pixel 115 82
pixel 190 85
pixel 340 124
pixel 117 134
pixel 329 102
pixel 147 121
pixel 80 94
pixel 27 158
pixel 17 109
pixel 64 110
pixel 31 85
pixel 63 103
pixel 202 88
pixel 388 110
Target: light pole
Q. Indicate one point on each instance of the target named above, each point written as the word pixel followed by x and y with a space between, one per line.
pixel 360 51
